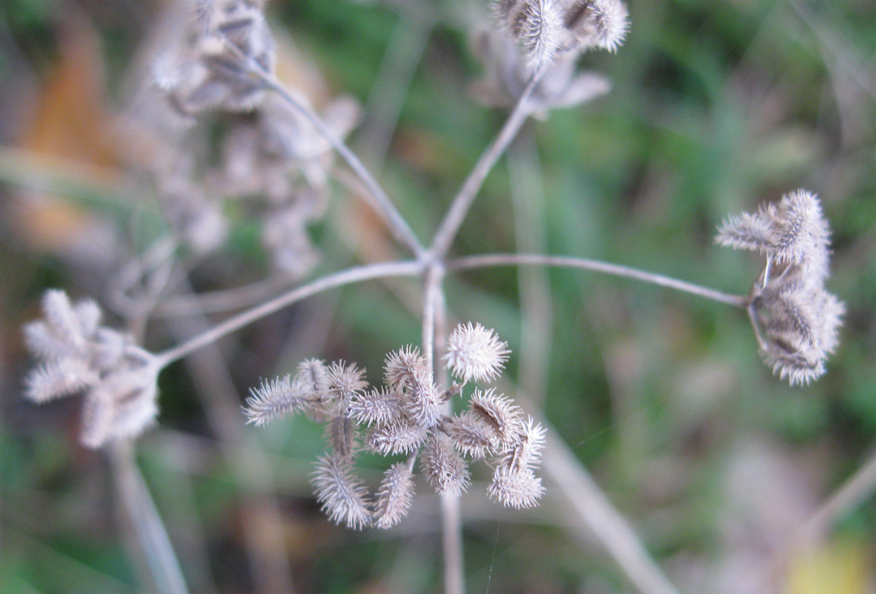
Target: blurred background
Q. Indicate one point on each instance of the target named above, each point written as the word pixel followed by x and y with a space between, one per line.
pixel 716 107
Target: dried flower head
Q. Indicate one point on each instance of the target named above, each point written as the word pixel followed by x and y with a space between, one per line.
pixel 498 412
pixel 407 417
pixel 514 482
pixel 793 231
pixel 515 488
pixel 536 24
pixel 443 468
pixel 77 354
pixel 278 397
pixel 471 435
pixel 474 352
pixel 548 29
pixel 795 319
pixel 403 366
pixel 597 23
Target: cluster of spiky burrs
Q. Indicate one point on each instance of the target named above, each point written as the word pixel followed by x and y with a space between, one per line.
pixel 409 417
pixel 795 318
pixel 78 354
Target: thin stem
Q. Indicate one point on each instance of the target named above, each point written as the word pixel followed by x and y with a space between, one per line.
pixel 860 486
pixel 346 277
pixel 451 519
pixel 588 500
pixel 382 203
pixel 140 509
pixel 223 300
pixel 468 192
pixel 487 260
pixel 431 299
pixel 434 319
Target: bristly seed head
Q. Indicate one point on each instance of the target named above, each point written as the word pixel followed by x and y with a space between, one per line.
pixel 77 354
pixel 342 494
pixel 394 496
pixel 795 319
pixel 474 352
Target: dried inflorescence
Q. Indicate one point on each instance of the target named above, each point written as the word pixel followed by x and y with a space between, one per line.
pixel 215 140
pixel 77 354
pixel 553 34
pixel 795 319
pixel 548 29
pixel 408 417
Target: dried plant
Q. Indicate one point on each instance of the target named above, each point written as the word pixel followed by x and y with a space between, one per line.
pixel 407 416
pixel 554 34
pixel 795 319
pixel 549 28
pixel 277 152
pixel 77 354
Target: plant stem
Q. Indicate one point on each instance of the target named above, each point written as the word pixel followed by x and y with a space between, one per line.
pixel 487 260
pixel 604 520
pixel 431 298
pixel 455 216
pixel 346 277
pixel 857 489
pixel 382 203
pixel 434 319
pixel 140 509
pixel 454 578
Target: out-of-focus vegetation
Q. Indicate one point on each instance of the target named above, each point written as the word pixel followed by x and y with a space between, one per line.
pixel 716 107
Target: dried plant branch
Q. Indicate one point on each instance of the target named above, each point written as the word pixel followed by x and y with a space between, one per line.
pixel 851 494
pixel 451 531
pixel 434 318
pixel 384 205
pixel 487 260
pixel 146 521
pixel 615 533
pixel 346 277
pixel 461 204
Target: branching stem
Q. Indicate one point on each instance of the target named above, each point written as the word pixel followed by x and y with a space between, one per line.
pixel 382 203
pixel 488 260
pixel 468 192
pixel 346 277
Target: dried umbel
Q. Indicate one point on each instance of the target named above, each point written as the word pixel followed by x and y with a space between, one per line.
pixel 553 34
pixel 77 354
pixel 548 29
pixel 207 91
pixel 795 319
pixel 407 416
